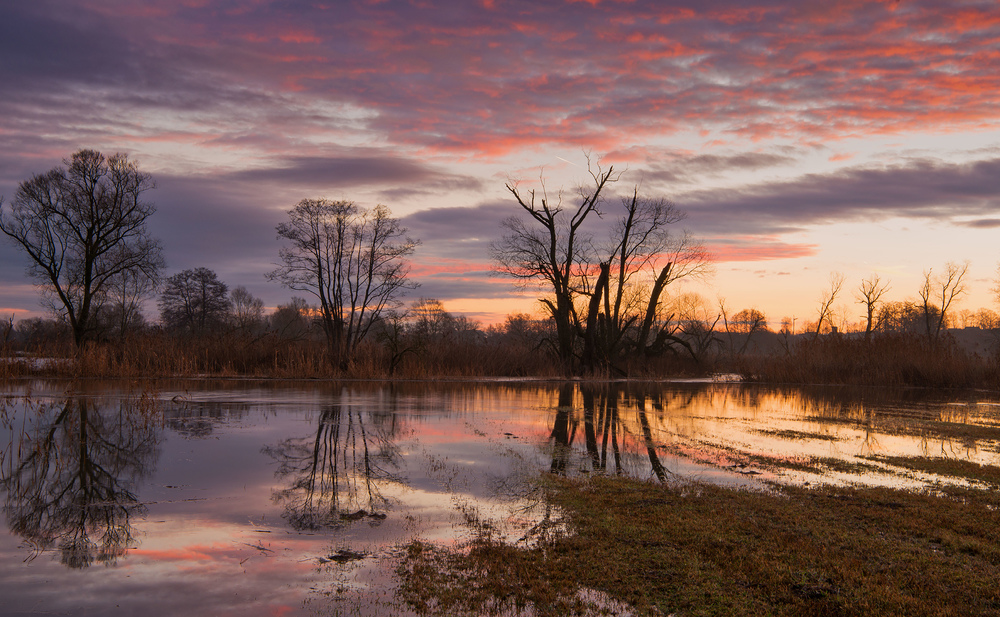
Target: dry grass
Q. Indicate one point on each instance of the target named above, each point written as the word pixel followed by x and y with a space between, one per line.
pixel 886 360
pixel 160 355
pixel 707 550
pixel 956 468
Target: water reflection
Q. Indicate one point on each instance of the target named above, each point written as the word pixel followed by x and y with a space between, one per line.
pixel 277 481
pixel 337 475
pixel 71 478
pixel 600 406
pixel 199 420
pixel 834 435
pixel 625 417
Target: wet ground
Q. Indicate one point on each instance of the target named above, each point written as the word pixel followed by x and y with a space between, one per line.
pixel 238 497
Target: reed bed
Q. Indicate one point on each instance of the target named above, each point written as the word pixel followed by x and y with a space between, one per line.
pixel 893 360
pixel 884 360
pixel 161 355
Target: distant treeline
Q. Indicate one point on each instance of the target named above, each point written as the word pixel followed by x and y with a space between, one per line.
pixel 426 341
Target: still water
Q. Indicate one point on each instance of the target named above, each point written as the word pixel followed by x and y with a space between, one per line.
pixel 248 498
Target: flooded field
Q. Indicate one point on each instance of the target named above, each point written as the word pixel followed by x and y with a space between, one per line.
pixel 238 497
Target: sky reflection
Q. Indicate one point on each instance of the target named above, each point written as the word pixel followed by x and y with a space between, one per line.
pixel 231 497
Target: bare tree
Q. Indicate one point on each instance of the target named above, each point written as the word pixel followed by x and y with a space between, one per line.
pixel 945 289
pixel 290 322
pixel 870 294
pixel 82 225
pixel 351 259
pixel 697 322
pixel 827 299
pixel 605 298
pixel 194 301
pixel 125 296
pixel 645 257
pixel 985 319
pixel 995 288
pixel 741 326
pixel 549 249
pixel 247 310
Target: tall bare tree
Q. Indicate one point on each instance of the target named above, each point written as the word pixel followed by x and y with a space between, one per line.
pixel 353 260
pixel 550 248
pixel 646 256
pixel 83 225
pixel 870 294
pixel 605 298
pixel 247 310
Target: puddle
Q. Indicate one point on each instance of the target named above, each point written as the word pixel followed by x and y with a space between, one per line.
pixel 287 498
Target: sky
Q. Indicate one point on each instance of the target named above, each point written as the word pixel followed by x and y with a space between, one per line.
pixel 800 138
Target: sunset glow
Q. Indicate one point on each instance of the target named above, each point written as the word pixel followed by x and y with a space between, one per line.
pixel 800 138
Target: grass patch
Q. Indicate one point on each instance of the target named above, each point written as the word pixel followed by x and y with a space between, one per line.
pixel 814 464
pixel 705 550
pixel 796 435
pixel 969 470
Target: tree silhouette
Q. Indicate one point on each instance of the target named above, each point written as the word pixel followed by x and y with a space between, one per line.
pixel 870 294
pixel 605 300
pixel 351 259
pixel 549 248
pixel 945 288
pixel 82 226
pixel 194 301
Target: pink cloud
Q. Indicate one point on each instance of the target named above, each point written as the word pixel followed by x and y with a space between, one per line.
pixel 760 252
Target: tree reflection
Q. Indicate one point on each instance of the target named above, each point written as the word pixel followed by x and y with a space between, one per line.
pixel 603 424
pixel 71 482
pixel 562 431
pixel 339 474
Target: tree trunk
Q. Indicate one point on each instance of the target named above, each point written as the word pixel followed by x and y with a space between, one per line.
pixel 590 338
pixel 654 300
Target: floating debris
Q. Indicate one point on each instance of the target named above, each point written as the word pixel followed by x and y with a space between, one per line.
pixel 360 514
pixel 343 556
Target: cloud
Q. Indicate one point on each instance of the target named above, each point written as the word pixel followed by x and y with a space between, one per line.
pixel 242 109
pixel 481 82
pixel 673 167
pixel 363 167
pixel 920 188
pixel 980 223
pixel 459 232
pixel 726 250
pixel 42 47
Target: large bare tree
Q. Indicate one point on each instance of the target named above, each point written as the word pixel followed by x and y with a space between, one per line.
pixel 83 225
pixel 644 254
pixel 194 301
pixel 549 248
pixel 353 260
pixel 825 311
pixel 604 298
